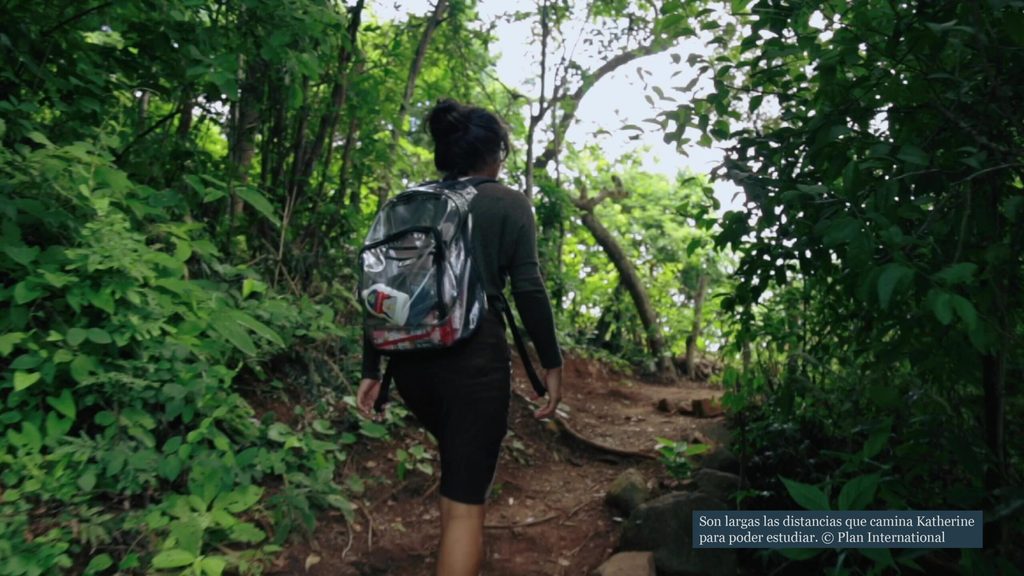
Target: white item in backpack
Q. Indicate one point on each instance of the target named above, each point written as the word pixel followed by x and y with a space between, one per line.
pixel 387 303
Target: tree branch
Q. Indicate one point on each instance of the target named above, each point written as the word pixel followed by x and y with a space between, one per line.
pixel 589 80
pixel 587 204
pixel 145 133
pixel 78 16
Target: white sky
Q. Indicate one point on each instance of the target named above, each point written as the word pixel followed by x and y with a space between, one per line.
pixel 617 100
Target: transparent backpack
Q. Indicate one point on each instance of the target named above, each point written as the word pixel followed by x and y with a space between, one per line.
pixel 419 287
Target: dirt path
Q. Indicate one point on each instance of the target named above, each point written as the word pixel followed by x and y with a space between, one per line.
pixel 546 515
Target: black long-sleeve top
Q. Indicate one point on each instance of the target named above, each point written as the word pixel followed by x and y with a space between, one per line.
pixel 504 243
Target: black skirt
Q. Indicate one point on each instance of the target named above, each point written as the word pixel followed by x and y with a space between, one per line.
pixel 461 396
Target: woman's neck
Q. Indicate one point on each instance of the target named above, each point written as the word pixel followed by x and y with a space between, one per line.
pixel 491 171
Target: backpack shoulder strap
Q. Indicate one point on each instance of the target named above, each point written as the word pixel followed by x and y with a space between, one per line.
pixel 478 180
pixel 538 386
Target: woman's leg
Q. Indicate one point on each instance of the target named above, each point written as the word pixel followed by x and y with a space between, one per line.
pixel 462 539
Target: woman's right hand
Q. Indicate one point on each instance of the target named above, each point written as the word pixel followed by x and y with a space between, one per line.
pixel 369 389
pixel 553 381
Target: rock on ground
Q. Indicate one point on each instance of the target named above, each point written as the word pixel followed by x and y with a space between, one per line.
pixel 627 492
pixel 707 408
pixel 628 564
pixel 720 459
pixel 664 526
pixel 717 484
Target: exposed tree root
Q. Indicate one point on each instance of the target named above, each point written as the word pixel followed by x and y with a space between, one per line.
pixel 566 428
pixel 522 524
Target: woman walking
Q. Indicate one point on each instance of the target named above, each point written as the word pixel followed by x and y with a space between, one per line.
pixel 461 394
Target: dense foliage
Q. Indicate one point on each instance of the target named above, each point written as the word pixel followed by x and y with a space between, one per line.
pixel 183 185
pixel 880 246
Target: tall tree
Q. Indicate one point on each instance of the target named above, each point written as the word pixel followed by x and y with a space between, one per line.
pixel 627 273
pixel 698 318
pixel 415 67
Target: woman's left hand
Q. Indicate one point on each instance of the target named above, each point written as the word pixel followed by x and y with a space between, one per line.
pixel 553 381
pixel 369 389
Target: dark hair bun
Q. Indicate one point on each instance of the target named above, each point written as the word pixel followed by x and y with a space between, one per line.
pixel 447 120
pixel 466 138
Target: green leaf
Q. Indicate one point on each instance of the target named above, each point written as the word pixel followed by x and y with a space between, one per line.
pixel 965 310
pixel 99 336
pixel 259 202
pixel 232 331
pixel 983 337
pixel 279 432
pixel 104 300
pixel 341 503
pixel 858 492
pixel 239 500
pixel 26 362
pixel 196 183
pixel 128 562
pixel 57 427
pixel 957 273
pixel 105 418
pixel 695 449
pixel 223 518
pixel 372 429
pixel 87 481
pixel 173 559
pixel 670 24
pixel 913 155
pixel 247 533
pixel 7 342
pixel 23 255
pixel 250 286
pixel 30 437
pixel 941 303
pixel 65 403
pixel 169 468
pixel 808 496
pixel 23 380
pixel 25 292
pixel 182 250
pixel 99 564
pixel 39 138
pixel 76 336
pixel 892 275
pixel 258 327
pixel 877 441
pixel 82 367
pixel 213 565
pixel 839 231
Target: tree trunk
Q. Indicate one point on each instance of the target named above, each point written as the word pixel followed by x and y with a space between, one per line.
pixel 535 119
pixel 634 285
pixel 329 120
pixel 410 88
pixel 1001 308
pixel 299 145
pixel 608 323
pixel 299 138
pixel 247 118
pixel 277 159
pixel 570 104
pixel 345 171
pixel 185 117
pixel 698 311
